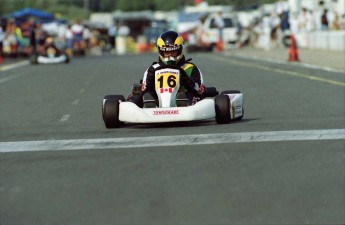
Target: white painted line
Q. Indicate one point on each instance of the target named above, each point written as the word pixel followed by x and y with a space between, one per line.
pixel 160 141
pixel 14 65
pixel 284 72
pixel 263 59
pixel 17 75
pixel 64 118
pixel 3 80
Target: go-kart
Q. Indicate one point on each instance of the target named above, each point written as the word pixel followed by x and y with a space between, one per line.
pixel 52 56
pixel 224 107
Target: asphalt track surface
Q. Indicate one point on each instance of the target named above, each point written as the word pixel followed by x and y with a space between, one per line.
pixel 284 163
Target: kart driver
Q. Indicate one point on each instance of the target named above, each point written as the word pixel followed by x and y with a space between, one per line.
pixel 50 48
pixel 170 49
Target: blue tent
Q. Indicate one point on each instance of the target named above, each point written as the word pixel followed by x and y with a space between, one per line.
pixel 26 13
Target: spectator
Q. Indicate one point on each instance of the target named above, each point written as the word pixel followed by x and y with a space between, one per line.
pixel 78 41
pixel 324 20
pixel 123 30
pixel 306 21
pixel 2 37
pixel 112 35
pixel 284 18
pixel 32 37
pixel 77 30
pixel 60 36
pixel 69 41
pixel 342 22
pixel 40 36
pixel 10 41
pixel 266 24
pixel 275 29
pixel 336 22
pixel 219 22
pixel 200 31
pixel 86 36
pixel 23 38
pixel 294 23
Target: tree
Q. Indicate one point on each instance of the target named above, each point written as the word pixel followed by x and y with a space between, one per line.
pixel 74 8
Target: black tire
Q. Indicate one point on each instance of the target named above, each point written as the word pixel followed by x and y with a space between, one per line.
pixel 210 92
pixel 110 111
pixel 33 60
pixel 213 47
pixel 67 59
pixel 287 41
pixel 222 107
pixel 230 92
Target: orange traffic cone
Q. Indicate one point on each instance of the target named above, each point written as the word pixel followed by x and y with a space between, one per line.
pixel 149 46
pixel 293 51
pixel 141 47
pixel 220 46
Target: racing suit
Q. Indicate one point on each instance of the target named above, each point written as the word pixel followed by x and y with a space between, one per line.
pixel 192 81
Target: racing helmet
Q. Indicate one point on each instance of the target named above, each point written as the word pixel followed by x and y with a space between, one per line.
pixel 49 40
pixel 170 47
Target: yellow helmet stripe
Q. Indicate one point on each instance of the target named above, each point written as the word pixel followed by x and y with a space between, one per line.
pixel 179 41
pixel 160 42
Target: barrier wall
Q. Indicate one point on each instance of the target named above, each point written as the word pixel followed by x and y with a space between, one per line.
pixel 324 40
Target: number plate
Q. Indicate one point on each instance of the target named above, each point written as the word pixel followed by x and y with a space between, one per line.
pixel 167 79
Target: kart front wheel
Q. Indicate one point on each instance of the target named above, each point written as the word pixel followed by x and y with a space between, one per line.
pixel 111 109
pixel 33 59
pixel 222 107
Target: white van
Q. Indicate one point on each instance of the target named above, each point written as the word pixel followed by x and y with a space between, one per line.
pixel 230 31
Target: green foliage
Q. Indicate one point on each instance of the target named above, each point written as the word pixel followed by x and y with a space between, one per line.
pixel 79 9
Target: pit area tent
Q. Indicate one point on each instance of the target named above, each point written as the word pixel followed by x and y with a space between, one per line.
pixel 27 13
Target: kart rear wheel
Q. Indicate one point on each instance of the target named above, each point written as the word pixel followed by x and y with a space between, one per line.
pixel 111 109
pixel 67 59
pixel 222 107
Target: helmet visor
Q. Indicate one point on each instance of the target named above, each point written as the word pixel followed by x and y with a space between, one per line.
pixel 174 54
pixel 170 53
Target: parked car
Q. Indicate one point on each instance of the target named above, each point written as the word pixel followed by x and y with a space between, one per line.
pixel 230 31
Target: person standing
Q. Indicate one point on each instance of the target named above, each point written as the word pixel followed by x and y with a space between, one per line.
pixel 2 37
pixel 112 36
pixel 220 24
pixel 324 20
